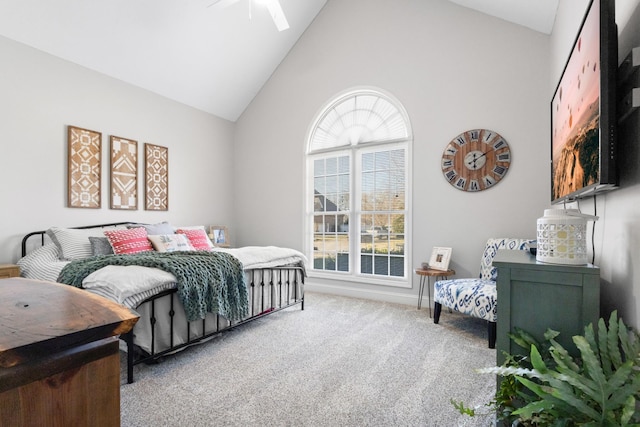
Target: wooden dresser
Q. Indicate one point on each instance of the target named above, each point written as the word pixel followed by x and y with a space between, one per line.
pixel 59 355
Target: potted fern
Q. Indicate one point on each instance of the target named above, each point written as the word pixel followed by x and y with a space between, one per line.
pixel 600 387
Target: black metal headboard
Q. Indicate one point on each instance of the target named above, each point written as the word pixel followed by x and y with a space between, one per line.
pixel 42 233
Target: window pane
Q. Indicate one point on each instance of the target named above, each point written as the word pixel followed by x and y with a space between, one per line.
pixel 366 264
pixel 381 265
pixel 343 165
pixel 367 162
pixel 332 166
pixel 343 262
pixel 397 266
pixel 382 160
pixel 319 185
pixel 318 167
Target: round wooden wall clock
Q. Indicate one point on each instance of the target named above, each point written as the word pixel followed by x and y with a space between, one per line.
pixel 476 160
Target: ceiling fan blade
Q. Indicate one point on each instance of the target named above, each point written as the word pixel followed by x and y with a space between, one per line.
pixel 222 3
pixel 277 14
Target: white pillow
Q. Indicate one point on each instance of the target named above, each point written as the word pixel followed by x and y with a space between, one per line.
pixel 73 243
pixel 170 243
pixel 126 280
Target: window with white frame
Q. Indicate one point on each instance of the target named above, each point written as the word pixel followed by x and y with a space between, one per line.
pixel 357 189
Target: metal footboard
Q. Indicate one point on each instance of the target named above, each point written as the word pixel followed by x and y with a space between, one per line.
pixel 270 290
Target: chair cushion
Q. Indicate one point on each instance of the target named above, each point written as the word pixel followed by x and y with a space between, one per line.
pixel 475 297
pixel 487 270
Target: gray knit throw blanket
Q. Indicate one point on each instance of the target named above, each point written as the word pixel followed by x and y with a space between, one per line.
pixel 211 282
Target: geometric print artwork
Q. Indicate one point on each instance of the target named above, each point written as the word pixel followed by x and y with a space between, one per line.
pixel 156 166
pixel 84 148
pixel 124 173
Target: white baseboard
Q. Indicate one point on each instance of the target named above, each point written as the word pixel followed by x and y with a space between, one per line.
pixel 377 295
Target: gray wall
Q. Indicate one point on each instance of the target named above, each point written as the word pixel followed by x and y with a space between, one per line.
pixel 617 232
pixel 453 69
pixel 42 94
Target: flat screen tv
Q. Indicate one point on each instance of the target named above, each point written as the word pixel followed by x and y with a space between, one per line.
pixel 583 113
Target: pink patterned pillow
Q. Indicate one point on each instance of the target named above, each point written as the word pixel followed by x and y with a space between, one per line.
pixel 198 238
pixel 129 241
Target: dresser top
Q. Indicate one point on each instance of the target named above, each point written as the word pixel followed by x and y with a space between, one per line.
pixel 38 318
pixel 525 259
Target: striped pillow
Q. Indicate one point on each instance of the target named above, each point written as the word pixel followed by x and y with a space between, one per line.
pixel 73 243
pixel 129 241
pixel 198 238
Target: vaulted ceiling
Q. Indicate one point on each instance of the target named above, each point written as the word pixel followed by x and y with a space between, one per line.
pixel 212 58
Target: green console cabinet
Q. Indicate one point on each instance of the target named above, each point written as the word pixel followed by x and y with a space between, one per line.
pixel 536 296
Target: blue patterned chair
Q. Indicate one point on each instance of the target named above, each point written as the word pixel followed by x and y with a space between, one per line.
pixel 477 297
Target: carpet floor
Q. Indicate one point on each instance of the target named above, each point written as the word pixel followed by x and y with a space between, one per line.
pixel 339 362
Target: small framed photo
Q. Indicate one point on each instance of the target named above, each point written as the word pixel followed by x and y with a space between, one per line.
pixel 219 235
pixel 440 258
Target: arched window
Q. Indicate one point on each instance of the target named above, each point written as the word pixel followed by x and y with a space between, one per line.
pixel 358 189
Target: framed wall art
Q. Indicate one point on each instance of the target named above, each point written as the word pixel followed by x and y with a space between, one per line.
pixel 83 168
pixel 440 258
pixel 219 235
pixel 156 169
pixel 124 173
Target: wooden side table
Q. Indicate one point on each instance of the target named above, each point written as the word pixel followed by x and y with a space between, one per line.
pixel 425 275
pixel 9 270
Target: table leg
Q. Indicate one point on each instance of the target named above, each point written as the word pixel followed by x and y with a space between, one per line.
pixel 421 291
pixel 429 294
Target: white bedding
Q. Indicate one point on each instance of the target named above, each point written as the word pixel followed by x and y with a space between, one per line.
pixel 130 285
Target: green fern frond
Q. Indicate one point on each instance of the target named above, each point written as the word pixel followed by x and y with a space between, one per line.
pixel 614 338
pixel 604 340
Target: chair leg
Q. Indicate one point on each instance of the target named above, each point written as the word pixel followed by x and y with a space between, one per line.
pixel 491 328
pixel 437 309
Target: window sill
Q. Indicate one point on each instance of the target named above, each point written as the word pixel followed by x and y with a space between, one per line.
pixel 400 282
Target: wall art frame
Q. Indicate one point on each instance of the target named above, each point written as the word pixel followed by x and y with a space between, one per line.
pixel 156 167
pixel 440 258
pixel 123 189
pixel 84 168
pixel 219 235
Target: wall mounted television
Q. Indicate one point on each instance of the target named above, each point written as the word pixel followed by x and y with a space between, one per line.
pixel 583 110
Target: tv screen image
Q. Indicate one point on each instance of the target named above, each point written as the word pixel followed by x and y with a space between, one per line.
pixel 582 111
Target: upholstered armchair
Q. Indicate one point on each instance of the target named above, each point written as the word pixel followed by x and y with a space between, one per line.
pixel 477 297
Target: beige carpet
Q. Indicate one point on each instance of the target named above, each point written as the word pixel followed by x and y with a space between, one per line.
pixel 340 362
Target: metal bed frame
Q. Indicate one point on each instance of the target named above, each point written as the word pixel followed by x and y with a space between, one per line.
pixel 287 282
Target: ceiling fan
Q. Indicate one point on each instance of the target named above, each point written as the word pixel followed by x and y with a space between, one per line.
pixel 273 6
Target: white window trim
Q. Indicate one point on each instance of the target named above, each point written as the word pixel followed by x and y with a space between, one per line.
pixel 355 276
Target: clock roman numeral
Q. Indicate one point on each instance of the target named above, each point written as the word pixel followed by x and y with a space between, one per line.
pixel 460 140
pixel 499 144
pixel 499 170
pixel 474 185
pixel 504 157
pixel 451 150
pixel 474 134
pixel 447 163
pixel 461 182
pixel 488 181
pixel 451 175
pixel 488 136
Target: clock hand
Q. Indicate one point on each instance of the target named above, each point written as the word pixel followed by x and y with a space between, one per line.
pixel 476 158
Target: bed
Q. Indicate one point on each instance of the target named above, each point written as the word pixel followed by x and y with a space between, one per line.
pixel 252 282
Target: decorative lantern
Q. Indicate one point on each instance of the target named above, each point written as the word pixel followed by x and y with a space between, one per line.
pixel 562 236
